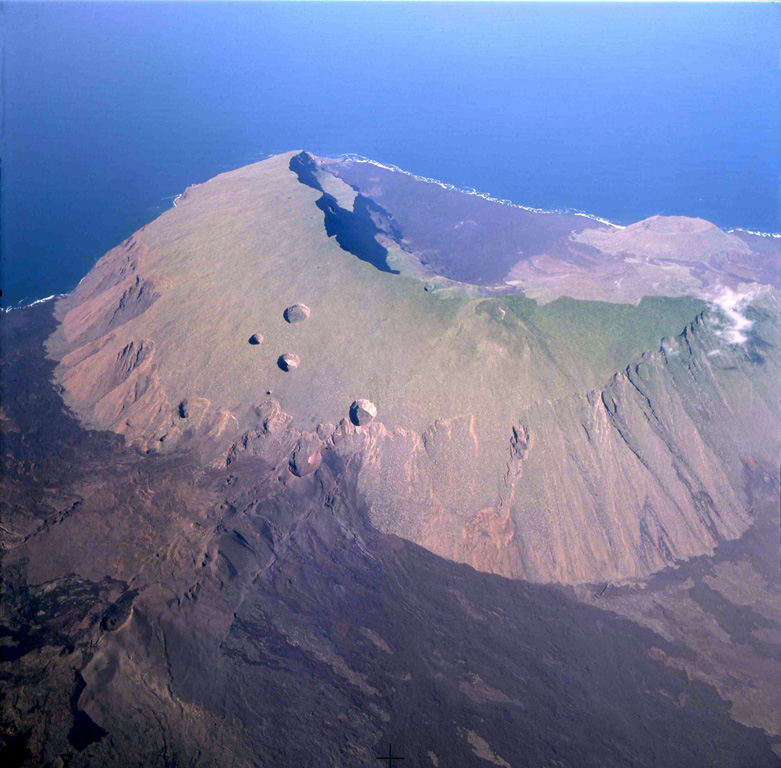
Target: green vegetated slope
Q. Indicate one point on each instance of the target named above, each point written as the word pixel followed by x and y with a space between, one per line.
pixel 645 470
pixel 594 339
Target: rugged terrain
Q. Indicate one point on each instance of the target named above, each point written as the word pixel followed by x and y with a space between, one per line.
pixel 158 613
pixel 566 441
pixel 329 457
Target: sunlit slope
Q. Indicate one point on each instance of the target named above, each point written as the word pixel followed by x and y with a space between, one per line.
pixel 154 344
pixel 620 480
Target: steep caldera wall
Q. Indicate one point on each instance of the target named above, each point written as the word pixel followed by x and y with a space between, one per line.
pixel 504 437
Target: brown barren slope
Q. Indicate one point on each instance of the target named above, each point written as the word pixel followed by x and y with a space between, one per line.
pixel 155 613
pixel 563 442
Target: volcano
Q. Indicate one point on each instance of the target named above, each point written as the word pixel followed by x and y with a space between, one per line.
pixel 493 484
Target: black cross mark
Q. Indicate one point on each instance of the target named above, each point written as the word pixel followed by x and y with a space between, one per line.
pixel 390 757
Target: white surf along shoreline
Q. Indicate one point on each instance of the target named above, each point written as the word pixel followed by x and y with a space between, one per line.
pixel 355 158
pixel 33 303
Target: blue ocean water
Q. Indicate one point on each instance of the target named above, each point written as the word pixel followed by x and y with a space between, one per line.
pixel 623 111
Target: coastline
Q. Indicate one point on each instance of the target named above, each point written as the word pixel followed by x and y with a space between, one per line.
pixel 19 305
pixel 774 235
pixel 356 158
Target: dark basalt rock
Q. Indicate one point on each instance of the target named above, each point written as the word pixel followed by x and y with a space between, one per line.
pixel 118 613
pixel 296 313
pixel 255 339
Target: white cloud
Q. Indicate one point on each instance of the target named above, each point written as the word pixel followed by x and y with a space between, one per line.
pixel 732 304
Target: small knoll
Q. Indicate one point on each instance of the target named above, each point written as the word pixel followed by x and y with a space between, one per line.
pixel 362 412
pixel 296 313
pixel 289 361
pixel 665 237
pixel 306 456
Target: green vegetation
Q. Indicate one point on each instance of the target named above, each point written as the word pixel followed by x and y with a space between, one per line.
pixel 602 336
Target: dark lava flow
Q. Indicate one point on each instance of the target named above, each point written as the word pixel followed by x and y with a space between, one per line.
pixel 460 236
pixel 241 616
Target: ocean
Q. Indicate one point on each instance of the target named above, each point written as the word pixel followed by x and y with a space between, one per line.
pixel 622 111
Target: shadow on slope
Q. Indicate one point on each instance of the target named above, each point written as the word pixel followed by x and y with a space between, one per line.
pixel 354 230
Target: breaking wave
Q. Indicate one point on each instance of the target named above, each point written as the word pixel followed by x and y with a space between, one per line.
pixel 33 303
pixel 471 191
pixel 754 232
